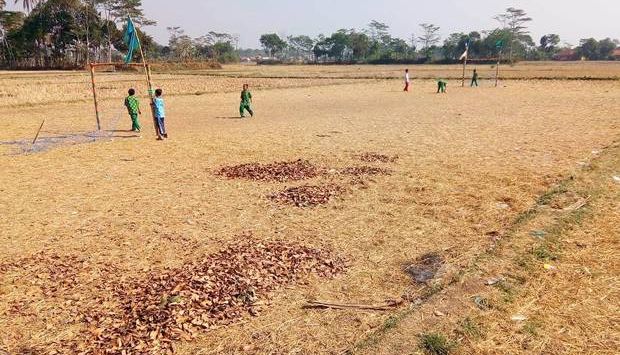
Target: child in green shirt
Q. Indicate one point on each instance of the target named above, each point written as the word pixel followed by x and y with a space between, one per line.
pixel 133 107
pixel 442 85
pixel 246 101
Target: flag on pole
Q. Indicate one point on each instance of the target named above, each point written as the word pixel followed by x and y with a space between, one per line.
pixel 131 40
pixel 499 44
pixel 466 53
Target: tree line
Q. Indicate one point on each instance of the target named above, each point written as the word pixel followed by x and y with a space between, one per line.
pixel 71 33
pixel 374 44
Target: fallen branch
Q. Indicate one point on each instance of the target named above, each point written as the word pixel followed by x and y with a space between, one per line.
pixel 388 306
pixel 577 205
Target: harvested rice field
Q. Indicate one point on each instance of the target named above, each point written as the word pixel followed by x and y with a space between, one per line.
pixel 345 217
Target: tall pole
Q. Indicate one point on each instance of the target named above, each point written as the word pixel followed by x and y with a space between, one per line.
pixel 147 71
pixel 464 69
pixel 92 80
pixel 499 60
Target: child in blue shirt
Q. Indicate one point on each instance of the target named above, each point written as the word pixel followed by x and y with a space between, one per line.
pixel 159 111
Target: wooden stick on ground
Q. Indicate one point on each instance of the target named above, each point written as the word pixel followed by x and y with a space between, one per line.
pixel 38 132
pixel 577 205
pixel 388 306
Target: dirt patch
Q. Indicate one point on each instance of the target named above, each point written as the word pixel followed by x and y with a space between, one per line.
pixel 377 158
pixel 280 171
pixel 425 268
pixel 307 195
pixel 159 308
pixel 44 144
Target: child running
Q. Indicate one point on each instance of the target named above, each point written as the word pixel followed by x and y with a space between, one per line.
pixel 133 107
pixel 159 112
pixel 407 80
pixel 246 101
pixel 474 79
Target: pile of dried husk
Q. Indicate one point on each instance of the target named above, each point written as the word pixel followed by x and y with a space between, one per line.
pixel 307 195
pixel 280 171
pixel 157 309
pixel 377 158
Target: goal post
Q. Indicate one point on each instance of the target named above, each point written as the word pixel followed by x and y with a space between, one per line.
pixel 93 68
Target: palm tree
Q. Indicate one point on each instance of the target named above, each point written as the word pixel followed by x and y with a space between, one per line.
pixel 26 4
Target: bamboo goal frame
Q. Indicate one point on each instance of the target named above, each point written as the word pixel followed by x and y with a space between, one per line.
pixel 93 67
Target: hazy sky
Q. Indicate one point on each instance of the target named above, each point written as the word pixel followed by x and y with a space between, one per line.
pixel 571 19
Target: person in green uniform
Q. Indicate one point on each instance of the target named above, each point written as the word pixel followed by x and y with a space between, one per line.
pixel 442 86
pixel 474 79
pixel 246 101
pixel 133 107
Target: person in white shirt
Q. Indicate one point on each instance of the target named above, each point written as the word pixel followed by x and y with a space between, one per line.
pixel 407 80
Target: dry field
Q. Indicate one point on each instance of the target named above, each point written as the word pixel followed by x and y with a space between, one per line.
pixel 411 203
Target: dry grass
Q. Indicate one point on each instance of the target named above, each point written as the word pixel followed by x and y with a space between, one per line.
pixel 470 164
pixel 546 293
pixel 524 70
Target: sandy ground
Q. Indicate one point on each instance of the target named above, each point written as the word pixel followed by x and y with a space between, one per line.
pixel 469 163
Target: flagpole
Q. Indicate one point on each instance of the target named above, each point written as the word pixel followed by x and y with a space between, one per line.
pixel 147 71
pixel 464 68
pixel 499 60
pixel 146 66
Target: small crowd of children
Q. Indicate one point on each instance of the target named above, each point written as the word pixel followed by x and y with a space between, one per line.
pixel 159 110
pixel 442 85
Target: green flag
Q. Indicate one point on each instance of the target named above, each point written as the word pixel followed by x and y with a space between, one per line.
pixel 131 40
pixel 499 44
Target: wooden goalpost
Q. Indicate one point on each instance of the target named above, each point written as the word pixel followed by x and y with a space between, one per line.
pixel 93 67
pixel 147 71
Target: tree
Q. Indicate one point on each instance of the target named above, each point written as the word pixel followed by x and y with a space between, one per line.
pixel 454 45
pixel 272 44
pixel 360 45
pixel 302 45
pixel 429 38
pixel 549 44
pixel 181 45
pixel 218 46
pixel 606 48
pixel 378 30
pixel 55 32
pixel 11 20
pixel 398 49
pixel 339 45
pixel 514 20
pixel 121 9
pixel 26 4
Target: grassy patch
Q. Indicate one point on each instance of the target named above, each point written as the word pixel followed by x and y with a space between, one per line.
pixel 543 252
pixel 470 328
pixel 530 328
pixel 436 344
pixel 546 198
pixel 508 291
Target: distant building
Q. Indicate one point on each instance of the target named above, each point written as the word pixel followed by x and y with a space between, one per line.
pixel 566 55
pixel 616 54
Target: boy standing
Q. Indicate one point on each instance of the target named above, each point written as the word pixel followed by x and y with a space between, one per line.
pixel 246 101
pixel 407 80
pixel 474 79
pixel 133 107
pixel 159 112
